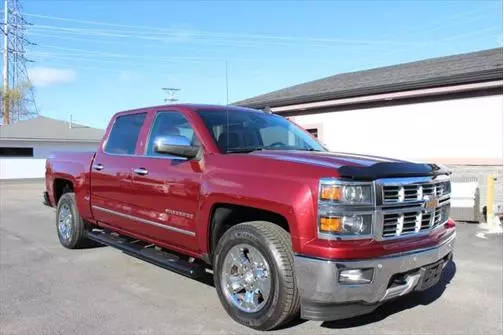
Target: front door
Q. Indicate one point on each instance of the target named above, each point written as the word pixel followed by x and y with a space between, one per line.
pixel 167 188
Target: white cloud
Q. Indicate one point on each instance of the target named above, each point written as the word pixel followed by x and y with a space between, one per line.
pixel 46 76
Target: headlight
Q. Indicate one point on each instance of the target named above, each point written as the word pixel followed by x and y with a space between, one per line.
pixel 345 209
pixel 446 187
pixel 333 190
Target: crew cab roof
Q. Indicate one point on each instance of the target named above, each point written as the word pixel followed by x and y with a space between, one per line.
pixel 193 108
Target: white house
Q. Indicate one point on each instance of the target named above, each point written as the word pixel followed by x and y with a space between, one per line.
pixel 25 145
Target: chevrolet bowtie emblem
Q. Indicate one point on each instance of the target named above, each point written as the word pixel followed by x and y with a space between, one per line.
pixel 431 203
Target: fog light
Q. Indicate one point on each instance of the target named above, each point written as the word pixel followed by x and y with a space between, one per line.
pixel 356 276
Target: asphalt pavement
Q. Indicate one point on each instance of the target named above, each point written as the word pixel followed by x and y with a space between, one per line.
pixel 47 289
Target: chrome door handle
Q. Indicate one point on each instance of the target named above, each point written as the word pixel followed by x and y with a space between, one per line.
pixel 98 167
pixel 141 171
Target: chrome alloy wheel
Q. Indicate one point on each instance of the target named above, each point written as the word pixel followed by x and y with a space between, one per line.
pixel 245 278
pixel 65 222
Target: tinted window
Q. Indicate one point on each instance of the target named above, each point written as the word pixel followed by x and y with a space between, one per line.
pixel 124 134
pixel 170 124
pixel 238 131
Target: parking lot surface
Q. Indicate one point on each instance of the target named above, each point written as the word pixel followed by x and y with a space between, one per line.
pixel 47 289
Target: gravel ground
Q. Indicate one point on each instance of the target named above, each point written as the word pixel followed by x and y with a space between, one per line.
pixel 47 289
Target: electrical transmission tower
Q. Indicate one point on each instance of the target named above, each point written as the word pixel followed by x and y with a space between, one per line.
pixel 18 100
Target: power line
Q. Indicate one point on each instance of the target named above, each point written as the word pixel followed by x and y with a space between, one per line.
pixel 101 23
pixel 198 33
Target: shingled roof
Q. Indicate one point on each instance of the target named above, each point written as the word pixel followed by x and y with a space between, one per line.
pixel 46 129
pixel 435 72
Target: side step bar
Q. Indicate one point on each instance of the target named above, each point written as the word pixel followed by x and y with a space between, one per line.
pixel 148 253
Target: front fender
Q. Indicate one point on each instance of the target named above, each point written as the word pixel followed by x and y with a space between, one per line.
pixel 292 199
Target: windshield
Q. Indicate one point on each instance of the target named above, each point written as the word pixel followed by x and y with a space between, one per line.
pixel 246 131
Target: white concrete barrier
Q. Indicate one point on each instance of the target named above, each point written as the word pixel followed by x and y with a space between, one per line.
pixel 465 200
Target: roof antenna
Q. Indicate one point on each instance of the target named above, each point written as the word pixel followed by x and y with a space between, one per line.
pixel 227 109
pixel 227 85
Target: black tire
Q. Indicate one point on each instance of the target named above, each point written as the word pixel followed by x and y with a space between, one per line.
pixel 78 233
pixel 274 244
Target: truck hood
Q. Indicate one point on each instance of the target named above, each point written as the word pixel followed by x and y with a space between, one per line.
pixel 354 166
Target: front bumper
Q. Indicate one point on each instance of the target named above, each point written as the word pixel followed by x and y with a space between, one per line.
pixel 324 298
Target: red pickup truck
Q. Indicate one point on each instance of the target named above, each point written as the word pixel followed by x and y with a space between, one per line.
pixel 284 224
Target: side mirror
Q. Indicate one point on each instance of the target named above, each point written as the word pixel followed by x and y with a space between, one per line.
pixel 175 145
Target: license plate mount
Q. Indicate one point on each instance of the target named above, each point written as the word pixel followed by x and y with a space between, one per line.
pixel 430 275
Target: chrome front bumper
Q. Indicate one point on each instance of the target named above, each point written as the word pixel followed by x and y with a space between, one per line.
pixel 324 298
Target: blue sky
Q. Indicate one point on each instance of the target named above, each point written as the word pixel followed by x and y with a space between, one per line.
pixel 95 58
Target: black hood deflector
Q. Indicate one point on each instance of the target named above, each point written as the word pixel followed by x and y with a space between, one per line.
pixel 392 170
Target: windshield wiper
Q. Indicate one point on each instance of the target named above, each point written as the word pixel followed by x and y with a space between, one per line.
pixel 243 150
pixel 299 149
pixel 251 149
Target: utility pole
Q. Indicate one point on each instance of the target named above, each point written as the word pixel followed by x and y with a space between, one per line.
pixel 171 94
pixel 6 65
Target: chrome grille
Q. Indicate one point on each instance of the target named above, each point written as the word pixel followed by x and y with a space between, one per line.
pixel 411 221
pixel 404 205
pixel 414 192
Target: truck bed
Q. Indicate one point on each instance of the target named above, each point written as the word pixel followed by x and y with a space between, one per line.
pixel 71 166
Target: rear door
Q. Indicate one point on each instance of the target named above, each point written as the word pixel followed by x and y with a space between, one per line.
pixel 167 188
pixel 111 179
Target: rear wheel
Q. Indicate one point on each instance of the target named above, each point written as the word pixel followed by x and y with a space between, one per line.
pixel 254 275
pixel 70 226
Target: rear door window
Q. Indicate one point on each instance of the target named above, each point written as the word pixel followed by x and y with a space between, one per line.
pixel 124 134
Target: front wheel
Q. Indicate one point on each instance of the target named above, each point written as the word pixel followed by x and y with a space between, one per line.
pixel 254 275
pixel 70 226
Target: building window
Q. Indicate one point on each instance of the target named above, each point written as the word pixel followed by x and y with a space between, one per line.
pixel 313 131
pixel 16 152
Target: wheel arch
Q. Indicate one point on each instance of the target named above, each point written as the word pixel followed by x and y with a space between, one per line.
pixel 60 187
pixel 226 215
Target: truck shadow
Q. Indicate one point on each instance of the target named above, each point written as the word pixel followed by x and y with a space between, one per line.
pixel 90 244
pixel 394 306
pixel 207 279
